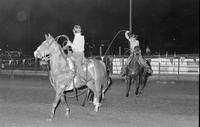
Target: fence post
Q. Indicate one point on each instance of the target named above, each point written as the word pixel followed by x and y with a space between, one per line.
pixel 111 65
pixel 159 70
pixel 178 68
pixel 100 51
pixel 123 61
pixel 12 74
pixel 36 63
pixel 120 51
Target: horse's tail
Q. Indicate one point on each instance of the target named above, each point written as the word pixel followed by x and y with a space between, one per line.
pixel 107 80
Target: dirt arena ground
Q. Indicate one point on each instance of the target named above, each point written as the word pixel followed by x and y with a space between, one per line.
pixel 26 102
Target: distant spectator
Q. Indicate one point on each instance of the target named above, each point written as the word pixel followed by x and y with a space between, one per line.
pixel 148 51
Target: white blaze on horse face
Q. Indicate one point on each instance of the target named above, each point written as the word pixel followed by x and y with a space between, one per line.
pixel 71 65
pixel 43 49
pixel 36 53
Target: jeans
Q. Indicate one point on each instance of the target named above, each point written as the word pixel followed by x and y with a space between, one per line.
pixel 78 58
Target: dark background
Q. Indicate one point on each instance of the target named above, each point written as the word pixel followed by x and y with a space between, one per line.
pixel 163 25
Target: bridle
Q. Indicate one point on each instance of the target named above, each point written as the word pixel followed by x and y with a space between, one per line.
pixel 47 57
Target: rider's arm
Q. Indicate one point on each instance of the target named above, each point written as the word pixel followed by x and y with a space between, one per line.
pixel 126 35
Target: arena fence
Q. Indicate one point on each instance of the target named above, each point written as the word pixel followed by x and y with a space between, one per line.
pixel 161 65
pixel 164 66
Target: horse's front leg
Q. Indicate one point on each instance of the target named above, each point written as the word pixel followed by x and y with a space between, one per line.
pixel 137 83
pixel 97 93
pixel 55 104
pixel 128 86
pixel 143 84
pixel 64 100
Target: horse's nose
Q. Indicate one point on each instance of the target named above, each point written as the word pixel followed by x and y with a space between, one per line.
pixel 36 54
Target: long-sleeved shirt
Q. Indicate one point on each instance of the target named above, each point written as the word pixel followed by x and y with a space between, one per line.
pixel 133 44
pixel 133 41
pixel 78 44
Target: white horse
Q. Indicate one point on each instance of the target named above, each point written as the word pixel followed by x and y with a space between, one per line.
pixel 63 75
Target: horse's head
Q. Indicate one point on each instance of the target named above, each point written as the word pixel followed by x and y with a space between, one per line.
pixel 137 51
pixel 46 48
pixel 134 66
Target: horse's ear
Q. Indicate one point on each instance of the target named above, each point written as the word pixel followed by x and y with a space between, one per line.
pixel 49 35
pixel 46 36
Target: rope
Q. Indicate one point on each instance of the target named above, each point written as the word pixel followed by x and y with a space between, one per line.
pixel 58 37
pixel 113 41
pixel 76 95
pixel 64 36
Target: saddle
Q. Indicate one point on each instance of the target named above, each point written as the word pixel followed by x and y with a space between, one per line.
pixel 136 56
pixel 82 73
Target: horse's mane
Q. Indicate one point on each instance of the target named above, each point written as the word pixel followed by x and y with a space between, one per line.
pixel 60 49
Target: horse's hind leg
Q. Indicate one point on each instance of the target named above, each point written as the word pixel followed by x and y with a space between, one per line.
pixel 97 94
pixel 137 82
pixel 143 84
pixel 55 104
pixel 96 101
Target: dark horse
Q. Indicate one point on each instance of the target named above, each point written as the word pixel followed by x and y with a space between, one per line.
pixel 136 73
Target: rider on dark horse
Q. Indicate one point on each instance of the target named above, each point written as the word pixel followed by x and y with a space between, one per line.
pixel 134 44
pixel 78 47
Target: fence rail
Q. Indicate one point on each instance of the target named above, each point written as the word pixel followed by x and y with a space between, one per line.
pixel 164 65
pixel 161 66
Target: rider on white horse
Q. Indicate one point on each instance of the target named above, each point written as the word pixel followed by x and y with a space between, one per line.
pixel 133 43
pixel 78 47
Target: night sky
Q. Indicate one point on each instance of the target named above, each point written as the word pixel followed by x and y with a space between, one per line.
pixel 163 25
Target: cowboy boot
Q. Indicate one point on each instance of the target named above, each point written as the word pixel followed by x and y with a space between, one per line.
pixel 124 71
pixel 149 70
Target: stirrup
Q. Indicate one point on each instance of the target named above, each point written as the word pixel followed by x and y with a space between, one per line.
pixel 149 71
pixel 124 72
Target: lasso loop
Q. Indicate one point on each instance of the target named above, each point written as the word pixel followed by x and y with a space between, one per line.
pixel 64 43
pixel 64 36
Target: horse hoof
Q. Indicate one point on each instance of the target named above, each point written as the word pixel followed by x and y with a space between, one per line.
pixel 49 119
pixel 90 101
pixel 96 109
pixel 67 113
pixel 100 104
